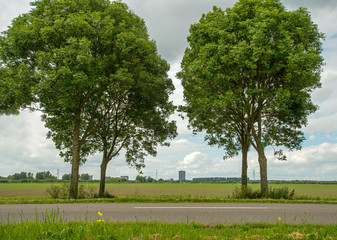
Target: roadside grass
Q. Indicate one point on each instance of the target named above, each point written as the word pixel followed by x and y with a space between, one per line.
pixel 58 229
pixel 162 199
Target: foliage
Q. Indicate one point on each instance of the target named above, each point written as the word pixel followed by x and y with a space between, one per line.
pixel 44 175
pixel 59 191
pixel 281 193
pixel 116 180
pixel 273 193
pixel 85 176
pixel 22 175
pixel 62 191
pixel 250 70
pixel 66 176
pixel 90 65
pixel 145 179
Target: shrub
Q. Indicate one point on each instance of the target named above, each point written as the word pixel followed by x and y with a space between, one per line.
pixel 246 193
pixel 281 193
pixel 57 191
pixel 274 193
pixel 106 195
pixel 86 191
pixel 62 191
pixel 54 191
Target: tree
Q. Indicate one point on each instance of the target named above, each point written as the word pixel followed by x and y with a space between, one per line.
pixel 138 119
pixel 140 179
pixel 30 175
pixel 253 66
pixel 44 175
pixel 66 176
pixel 72 53
pixel 85 176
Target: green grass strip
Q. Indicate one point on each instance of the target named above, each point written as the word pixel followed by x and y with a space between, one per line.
pixel 159 230
pixel 161 199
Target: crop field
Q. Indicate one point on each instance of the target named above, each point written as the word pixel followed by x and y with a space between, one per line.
pixel 169 189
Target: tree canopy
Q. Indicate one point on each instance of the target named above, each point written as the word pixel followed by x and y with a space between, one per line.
pixel 82 60
pixel 248 72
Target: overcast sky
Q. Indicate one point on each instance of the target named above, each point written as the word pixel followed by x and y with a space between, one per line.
pixel 23 144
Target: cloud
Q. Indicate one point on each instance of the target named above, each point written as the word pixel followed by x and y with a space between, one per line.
pixel 312 137
pixel 168 21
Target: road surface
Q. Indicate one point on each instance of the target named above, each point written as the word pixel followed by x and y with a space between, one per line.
pixel 208 213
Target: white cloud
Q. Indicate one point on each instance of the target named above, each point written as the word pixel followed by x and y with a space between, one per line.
pixel 312 137
pixel 192 158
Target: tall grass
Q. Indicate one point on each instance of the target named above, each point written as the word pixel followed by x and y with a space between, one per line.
pixel 58 229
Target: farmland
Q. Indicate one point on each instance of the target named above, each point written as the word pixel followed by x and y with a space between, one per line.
pixel 168 189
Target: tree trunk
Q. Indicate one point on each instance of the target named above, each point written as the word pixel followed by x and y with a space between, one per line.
pixel 75 162
pixel 244 177
pixel 263 172
pixel 102 180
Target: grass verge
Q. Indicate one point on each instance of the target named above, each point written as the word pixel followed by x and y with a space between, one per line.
pixel 159 230
pixel 162 199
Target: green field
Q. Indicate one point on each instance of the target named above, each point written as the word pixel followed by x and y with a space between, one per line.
pixel 170 189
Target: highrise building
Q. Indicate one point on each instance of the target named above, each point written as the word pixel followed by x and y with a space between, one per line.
pixel 182 176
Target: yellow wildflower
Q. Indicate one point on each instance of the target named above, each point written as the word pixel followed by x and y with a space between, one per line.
pixel 279 218
pixel 99 213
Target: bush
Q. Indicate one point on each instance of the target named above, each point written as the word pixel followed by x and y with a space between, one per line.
pixel 62 191
pixel 246 193
pixel 274 193
pixel 86 191
pixel 106 195
pixel 281 193
pixel 57 191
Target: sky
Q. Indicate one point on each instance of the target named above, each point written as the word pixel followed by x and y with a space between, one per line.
pixel 24 147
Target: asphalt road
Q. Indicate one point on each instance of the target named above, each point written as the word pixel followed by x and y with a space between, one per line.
pixel 209 213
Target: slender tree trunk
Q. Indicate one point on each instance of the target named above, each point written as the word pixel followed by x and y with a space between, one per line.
pixel 244 177
pixel 75 162
pixel 103 174
pixel 263 172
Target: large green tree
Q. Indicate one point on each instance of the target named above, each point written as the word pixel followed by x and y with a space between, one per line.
pixel 74 56
pixel 249 72
pixel 138 119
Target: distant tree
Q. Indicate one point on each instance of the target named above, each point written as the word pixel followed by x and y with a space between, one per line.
pixel 66 176
pixel 30 175
pixel 23 175
pixel 44 175
pixel 140 179
pixel 160 180
pixel 248 72
pixel 149 179
pixel 20 176
pixel 15 176
pixel 84 176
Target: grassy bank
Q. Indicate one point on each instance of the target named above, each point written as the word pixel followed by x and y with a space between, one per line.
pixel 158 230
pixel 162 199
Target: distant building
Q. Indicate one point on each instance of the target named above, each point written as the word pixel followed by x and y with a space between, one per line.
pixel 125 177
pixel 182 176
pixel 107 178
pixel 91 177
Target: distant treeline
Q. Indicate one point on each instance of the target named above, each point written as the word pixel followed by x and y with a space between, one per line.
pixel 44 176
pixel 217 180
